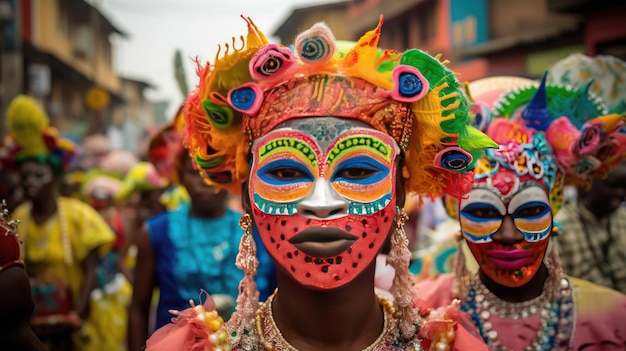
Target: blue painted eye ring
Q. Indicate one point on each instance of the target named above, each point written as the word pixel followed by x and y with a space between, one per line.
pixel 262 172
pixel 361 162
pixel 545 209
pixel 246 98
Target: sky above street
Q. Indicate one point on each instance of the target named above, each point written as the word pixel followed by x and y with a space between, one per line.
pixel 157 28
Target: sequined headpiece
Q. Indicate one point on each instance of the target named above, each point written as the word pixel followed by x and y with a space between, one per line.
pixel 411 96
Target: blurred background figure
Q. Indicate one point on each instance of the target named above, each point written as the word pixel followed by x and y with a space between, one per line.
pixel 592 224
pixel 605 74
pixel 10 189
pixel 70 182
pixel 62 237
pixel 140 196
pixel 592 236
pixel 111 298
pixel 186 248
pixel 93 149
pixel 16 299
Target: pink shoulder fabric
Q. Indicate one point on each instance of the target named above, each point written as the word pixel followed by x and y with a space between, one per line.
pixel 435 298
pixel 437 291
pixel 186 330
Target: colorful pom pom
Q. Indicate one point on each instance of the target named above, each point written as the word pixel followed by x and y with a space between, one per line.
pixel 315 45
pixel 410 85
pixel 453 159
pixel 246 98
pixel 271 63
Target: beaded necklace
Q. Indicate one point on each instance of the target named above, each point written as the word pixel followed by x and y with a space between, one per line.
pixel 272 339
pixel 556 310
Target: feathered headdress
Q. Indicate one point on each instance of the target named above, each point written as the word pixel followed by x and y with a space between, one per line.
pixel 585 139
pixel 554 134
pixel 31 137
pixel 411 96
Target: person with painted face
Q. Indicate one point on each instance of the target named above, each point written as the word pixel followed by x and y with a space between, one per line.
pixel 519 298
pixel 62 237
pixel 593 228
pixel 323 140
pixel 593 225
pixel 186 249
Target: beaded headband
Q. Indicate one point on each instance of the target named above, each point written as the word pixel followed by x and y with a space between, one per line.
pixel 411 96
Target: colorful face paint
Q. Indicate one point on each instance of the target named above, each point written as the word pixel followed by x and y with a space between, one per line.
pixel 481 216
pixel 323 197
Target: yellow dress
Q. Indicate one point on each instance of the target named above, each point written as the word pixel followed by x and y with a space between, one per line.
pixel 53 251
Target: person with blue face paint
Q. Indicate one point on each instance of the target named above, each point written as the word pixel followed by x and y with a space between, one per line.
pixel 323 141
pixel 520 298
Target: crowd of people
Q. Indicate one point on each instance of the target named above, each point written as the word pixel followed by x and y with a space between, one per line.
pixel 327 196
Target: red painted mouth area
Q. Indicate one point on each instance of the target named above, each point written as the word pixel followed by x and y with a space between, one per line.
pixel 510 260
pixel 323 242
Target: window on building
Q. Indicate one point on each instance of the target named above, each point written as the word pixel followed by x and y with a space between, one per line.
pixel 63 18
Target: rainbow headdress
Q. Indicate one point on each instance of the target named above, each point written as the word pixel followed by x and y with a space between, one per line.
pixel 553 134
pixel 31 137
pixel 411 96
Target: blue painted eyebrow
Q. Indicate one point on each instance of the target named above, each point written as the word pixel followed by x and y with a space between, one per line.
pixel 263 172
pixel 363 162
pixel 480 206
pixel 545 209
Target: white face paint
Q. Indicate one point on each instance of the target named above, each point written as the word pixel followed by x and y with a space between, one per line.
pixel 322 191
pixel 34 177
pixel 514 261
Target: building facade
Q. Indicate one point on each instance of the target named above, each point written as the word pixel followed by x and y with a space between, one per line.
pixel 66 48
pixel 490 37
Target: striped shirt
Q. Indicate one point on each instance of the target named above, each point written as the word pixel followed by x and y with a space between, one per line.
pixel 592 249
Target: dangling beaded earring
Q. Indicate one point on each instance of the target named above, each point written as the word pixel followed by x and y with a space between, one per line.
pixel 402 288
pixel 241 325
pixel 553 264
pixel 462 281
